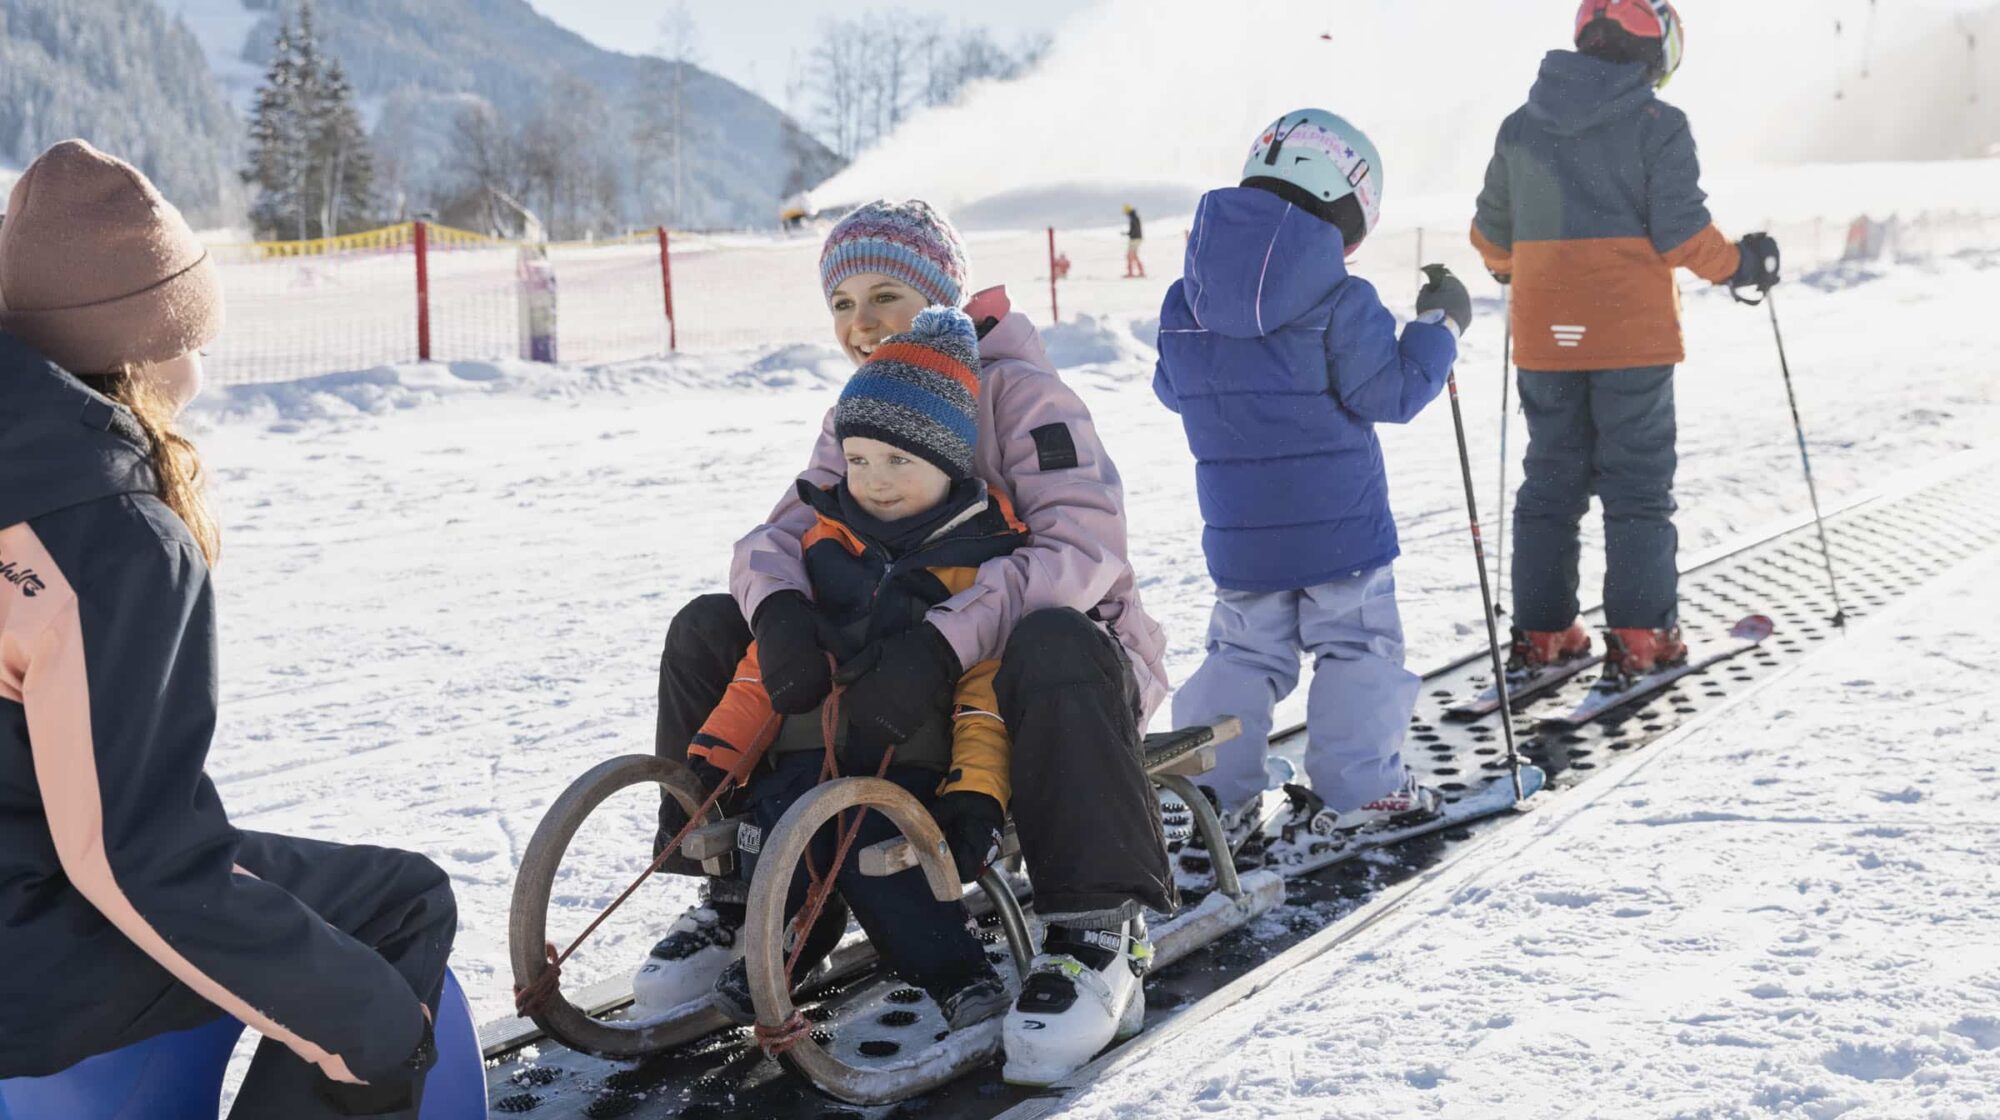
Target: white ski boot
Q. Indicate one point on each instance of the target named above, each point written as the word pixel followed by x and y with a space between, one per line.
pixel 682 968
pixel 1084 991
pixel 1410 801
pixel 1310 831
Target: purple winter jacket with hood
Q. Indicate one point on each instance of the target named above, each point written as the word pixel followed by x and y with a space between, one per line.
pixel 1038 445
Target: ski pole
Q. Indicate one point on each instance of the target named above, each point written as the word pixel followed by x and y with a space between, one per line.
pixel 1799 429
pixel 1506 392
pixel 1485 589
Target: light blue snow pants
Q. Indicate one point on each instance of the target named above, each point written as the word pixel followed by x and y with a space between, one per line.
pixel 1360 700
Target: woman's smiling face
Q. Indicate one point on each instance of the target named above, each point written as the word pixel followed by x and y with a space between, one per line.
pixel 867 308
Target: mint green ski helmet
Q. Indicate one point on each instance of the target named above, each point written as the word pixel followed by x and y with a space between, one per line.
pixel 1324 164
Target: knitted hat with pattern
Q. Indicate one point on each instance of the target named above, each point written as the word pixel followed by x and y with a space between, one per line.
pixel 919 391
pixel 907 241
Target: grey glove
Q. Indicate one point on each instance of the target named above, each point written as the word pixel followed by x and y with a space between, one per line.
pixel 1445 293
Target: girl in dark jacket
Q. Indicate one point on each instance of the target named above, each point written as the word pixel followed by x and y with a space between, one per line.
pixel 131 907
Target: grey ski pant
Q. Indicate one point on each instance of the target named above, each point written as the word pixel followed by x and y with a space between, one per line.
pixel 1361 695
pixel 1609 432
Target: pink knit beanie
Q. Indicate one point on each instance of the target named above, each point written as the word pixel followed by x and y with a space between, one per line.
pixel 97 270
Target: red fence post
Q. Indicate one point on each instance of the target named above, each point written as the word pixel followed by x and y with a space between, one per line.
pixel 1055 313
pixel 667 287
pixel 423 291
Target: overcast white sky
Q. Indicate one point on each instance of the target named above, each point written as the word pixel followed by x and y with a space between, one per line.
pixel 754 42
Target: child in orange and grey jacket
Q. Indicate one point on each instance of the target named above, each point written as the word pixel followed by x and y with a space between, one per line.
pixel 906 529
pixel 1592 200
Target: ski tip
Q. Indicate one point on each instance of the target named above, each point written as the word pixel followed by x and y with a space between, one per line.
pixel 1753 628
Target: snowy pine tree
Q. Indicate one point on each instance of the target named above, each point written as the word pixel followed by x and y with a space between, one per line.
pixel 309 156
pixel 341 156
pixel 274 126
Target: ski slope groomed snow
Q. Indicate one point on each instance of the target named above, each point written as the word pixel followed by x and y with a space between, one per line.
pixel 444 588
pixel 1788 912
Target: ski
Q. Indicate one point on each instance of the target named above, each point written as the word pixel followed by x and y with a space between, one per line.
pixel 1522 686
pixel 1305 853
pixel 1611 692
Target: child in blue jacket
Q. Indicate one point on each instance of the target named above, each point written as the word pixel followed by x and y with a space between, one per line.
pixel 1281 364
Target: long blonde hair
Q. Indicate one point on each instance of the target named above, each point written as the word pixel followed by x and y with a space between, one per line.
pixel 175 461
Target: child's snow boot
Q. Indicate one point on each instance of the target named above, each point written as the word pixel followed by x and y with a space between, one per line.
pixel 1311 828
pixel 974 1000
pixel 1536 649
pixel 1638 652
pixel 683 966
pixel 1083 992
pixel 732 986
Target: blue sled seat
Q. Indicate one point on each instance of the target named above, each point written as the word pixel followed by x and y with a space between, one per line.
pixel 178 1076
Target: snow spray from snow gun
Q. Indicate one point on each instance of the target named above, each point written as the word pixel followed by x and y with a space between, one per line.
pixel 1798 427
pixel 1436 274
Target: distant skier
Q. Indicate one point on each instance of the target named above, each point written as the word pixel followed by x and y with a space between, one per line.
pixel 1592 199
pixel 1281 364
pixel 1135 269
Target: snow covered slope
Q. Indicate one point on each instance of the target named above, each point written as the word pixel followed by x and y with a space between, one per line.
pixel 1150 101
pixel 1788 914
pixel 443 592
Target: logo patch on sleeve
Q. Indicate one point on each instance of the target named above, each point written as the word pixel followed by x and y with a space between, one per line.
pixel 1055 448
pixel 23 578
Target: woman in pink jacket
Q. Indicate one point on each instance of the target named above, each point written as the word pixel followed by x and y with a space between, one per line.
pixel 1080 674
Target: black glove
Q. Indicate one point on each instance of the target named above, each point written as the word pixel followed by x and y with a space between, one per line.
pixel 972 824
pixel 708 774
pixel 1502 278
pixel 797 676
pixel 673 818
pixel 899 682
pixel 1445 293
pixel 1759 266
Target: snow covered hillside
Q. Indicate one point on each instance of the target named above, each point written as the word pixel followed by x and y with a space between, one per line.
pixel 443 590
pixel 1151 101
pixel 126 77
pixel 416 66
pixel 1776 915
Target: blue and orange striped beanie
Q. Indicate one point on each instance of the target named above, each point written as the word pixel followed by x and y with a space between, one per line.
pixel 919 391
pixel 906 241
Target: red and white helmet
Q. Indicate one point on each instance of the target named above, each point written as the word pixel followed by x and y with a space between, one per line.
pixel 1644 19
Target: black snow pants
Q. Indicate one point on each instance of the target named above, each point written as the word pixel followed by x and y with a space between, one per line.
pixel 1083 808
pixel 398 903
pixel 924 941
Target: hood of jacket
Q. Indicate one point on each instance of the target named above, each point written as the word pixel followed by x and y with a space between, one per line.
pixel 1013 339
pixel 1575 93
pixel 61 444
pixel 1256 263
